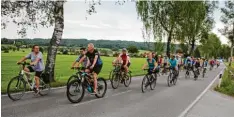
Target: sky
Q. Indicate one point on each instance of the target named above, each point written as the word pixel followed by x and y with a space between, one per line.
pixel 111 22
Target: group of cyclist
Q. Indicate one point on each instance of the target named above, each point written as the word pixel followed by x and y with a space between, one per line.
pixel 91 62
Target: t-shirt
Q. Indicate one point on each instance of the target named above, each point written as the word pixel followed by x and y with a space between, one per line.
pixel 39 66
pixel 92 55
pixel 173 62
pixel 124 58
pixel 151 64
pixel 85 61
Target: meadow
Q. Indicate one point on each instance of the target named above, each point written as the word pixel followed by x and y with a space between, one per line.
pixel 62 67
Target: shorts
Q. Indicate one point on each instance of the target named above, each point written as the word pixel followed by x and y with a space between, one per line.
pixel 37 73
pixel 122 68
pixel 164 64
pixel 96 69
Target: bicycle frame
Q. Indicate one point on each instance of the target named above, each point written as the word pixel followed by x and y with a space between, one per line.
pixel 23 74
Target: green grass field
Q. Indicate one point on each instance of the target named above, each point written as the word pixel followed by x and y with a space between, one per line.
pixel 62 67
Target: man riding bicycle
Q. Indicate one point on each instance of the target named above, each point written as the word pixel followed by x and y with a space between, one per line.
pixel 95 66
pixel 151 62
pixel 36 65
pixel 85 62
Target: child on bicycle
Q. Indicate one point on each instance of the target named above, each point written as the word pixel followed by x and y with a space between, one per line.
pixel 174 64
pixel 151 62
pixel 85 62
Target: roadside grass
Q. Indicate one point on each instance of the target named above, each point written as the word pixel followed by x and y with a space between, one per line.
pixel 227 85
pixel 62 67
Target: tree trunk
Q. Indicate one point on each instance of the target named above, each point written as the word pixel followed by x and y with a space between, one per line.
pixel 56 38
pixel 192 47
pixel 230 61
pixel 169 45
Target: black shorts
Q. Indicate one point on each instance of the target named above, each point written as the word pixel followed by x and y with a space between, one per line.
pixel 37 73
pixel 97 69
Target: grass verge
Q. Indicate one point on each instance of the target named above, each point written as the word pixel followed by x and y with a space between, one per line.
pixel 227 85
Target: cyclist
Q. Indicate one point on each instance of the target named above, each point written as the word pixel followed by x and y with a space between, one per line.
pixel 85 62
pixel 117 61
pixel 159 62
pixel 174 64
pixel 197 65
pixel 151 62
pixel 36 64
pixel 95 66
pixel 126 60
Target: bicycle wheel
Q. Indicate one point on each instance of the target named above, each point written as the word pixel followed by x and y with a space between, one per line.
pixel 187 74
pixel 44 88
pixel 75 91
pixel 153 81
pixel 16 88
pixel 169 80
pixel 101 87
pixel 73 77
pixel 110 75
pixel 144 84
pixel 127 80
pixel 115 80
pixel 175 80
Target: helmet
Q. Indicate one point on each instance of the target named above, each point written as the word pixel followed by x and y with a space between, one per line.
pixel 124 49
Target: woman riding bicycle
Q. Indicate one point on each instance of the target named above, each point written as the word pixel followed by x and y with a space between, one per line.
pixel 36 64
pixel 174 64
pixel 151 62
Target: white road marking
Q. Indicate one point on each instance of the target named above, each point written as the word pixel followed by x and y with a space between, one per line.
pixel 121 93
pixel 183 114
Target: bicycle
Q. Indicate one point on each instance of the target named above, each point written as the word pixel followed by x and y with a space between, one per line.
pixel 119 75
pixel 204 72
pixel 196 73
pixel 150 79
pixel 86 81
pixel 172 77
pixel 77 75
pixel 187 73
pixel 19 82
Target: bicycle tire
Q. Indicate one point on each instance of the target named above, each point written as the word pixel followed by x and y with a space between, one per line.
pixel 169 78
pixel 154 82
pixel 187 74
pixel 115 79
pixel 175 80
pixel 9 90
pixel 72 83
pixel 126 84
pixel 44 86
pixel 101 87
pixel 73 77
pixel 143 87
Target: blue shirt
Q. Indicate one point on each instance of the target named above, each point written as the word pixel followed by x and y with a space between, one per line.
pixel 173 62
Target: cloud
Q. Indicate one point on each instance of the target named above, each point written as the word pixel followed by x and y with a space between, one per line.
pixel 89 25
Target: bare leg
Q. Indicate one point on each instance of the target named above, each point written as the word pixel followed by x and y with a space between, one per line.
pixel 95 82
pixel 27 70
pixel 37 82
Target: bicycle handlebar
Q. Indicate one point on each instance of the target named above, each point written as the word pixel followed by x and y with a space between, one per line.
pixel 24 63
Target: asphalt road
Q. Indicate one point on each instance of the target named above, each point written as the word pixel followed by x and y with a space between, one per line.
pixel 164 101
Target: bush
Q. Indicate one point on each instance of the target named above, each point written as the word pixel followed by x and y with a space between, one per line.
pixel 65 52
pixel 6 51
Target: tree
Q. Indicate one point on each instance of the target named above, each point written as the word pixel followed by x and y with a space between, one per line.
pixel 132 49
pixel 228 19
pixel 47 13
pixel 158 17
pixel 18 45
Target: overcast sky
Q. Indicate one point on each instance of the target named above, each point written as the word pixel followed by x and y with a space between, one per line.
pixel 112 22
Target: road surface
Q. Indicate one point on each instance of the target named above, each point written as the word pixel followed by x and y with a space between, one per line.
pixel 164 101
